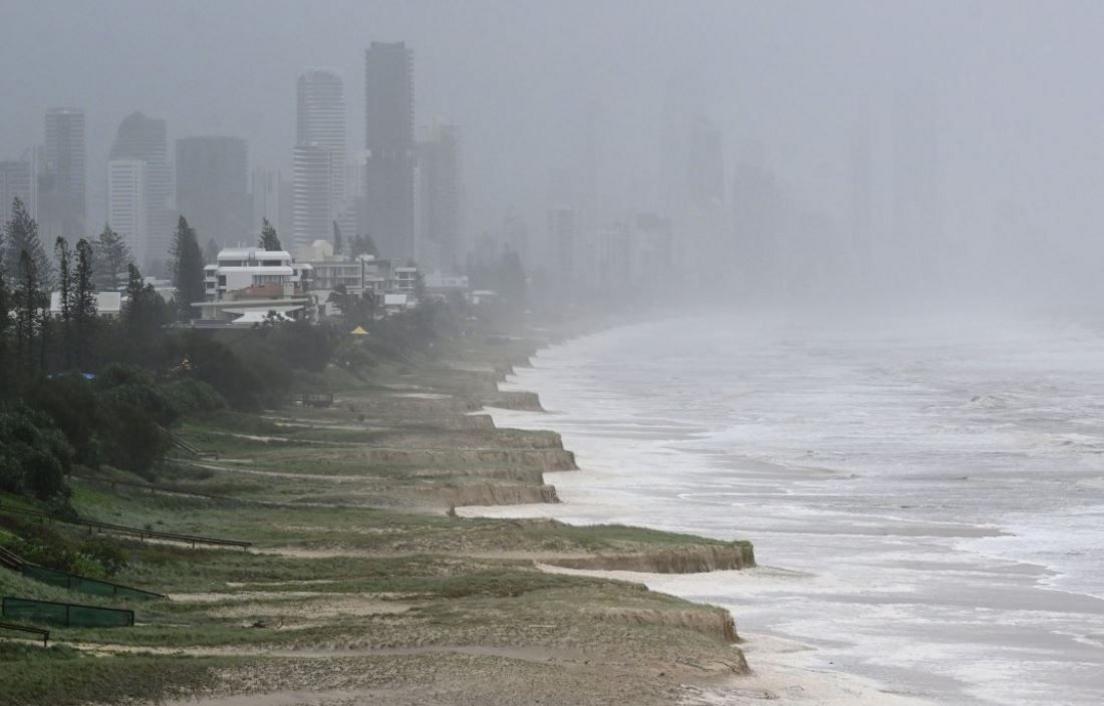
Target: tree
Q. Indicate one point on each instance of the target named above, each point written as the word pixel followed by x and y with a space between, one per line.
pixel 28 297
pixel 144 310
pixel 83 304
pixel 5 321
pixel 269 239
pixel 211 250
pixel 65 285
pixel 364 245
pixel 187 269
pixel 22 235
pixel 112 256
pixel 338 241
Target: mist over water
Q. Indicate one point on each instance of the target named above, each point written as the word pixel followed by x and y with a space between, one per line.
pixel 937 488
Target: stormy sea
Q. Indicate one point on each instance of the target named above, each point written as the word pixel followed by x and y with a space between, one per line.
pixel 926 499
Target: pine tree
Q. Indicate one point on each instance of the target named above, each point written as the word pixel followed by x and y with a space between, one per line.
pixel 211 251
pixel 187 269
pixel 65 287
pixel 112 256
pixel 22 235
pixel 5 322
pixel 269 239
pixel 28 297
pixel 338 241
pixel 83 303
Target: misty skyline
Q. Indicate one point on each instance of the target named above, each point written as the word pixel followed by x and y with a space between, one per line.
pixel 586 89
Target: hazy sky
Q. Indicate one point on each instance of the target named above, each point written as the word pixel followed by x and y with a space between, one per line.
pixel 1013 88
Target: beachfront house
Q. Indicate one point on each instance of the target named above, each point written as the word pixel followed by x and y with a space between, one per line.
pixel 248 285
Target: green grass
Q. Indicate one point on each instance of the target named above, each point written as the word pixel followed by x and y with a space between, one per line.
pixel 61 676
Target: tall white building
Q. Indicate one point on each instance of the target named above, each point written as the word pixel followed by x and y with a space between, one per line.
pixel 144 139
pixel 312 203
pixel 318 194
pixel 127 211
pixel 272 200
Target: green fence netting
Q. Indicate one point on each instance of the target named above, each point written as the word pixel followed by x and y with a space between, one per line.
pixel 84 584
pixel 65 614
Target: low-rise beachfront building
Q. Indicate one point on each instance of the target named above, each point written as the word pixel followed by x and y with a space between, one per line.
pixel 108 304
pixel 248 285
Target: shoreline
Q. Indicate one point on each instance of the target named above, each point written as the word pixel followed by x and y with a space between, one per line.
pixel 780 668
pixel 364 581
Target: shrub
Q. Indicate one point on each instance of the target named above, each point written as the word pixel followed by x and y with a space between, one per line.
pixel 34 455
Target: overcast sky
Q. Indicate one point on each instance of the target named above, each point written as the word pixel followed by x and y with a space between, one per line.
pixel 1013 89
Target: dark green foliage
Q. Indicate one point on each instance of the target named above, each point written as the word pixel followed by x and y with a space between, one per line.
pixel 5 324
pixel 21 235
pixel 83 304
pixel 111 257
pixel 363 245
pixel 134 414
pixel 28 299
pixel 34 455
pixel 70 402
pixel 269 240
pixel 355 310
pixel 187 269
pixel 65 290
pixel 215 363
pixel 144 314
pixel 47 545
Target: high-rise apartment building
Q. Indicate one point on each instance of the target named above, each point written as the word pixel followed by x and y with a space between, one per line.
pixel 62 200
pixel 128 207
pixel 212 179
pixel 439 243
pixel 389 141
pixel 271 194
pixel 16 181
pixel 320 136
pixel 143 139
pixel 313 209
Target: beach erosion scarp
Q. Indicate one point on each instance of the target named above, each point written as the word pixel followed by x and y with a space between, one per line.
pixel 364 581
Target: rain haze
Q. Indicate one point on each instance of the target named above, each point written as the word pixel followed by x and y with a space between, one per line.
pixel 465 320
pixel 962 140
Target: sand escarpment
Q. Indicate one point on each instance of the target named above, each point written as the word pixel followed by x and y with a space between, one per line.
pixel 677 560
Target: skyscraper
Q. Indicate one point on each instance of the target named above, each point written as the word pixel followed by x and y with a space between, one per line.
pixel 271 194
pixel 61 207
pixel 312 197
pixel 127 206
pixel 320 133
pixel 389 139
pixel 439 238
pixel 212 180
pixel 15 182
pixel 143 139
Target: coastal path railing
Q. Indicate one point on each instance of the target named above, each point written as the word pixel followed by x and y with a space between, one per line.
pixel 65 614
pixel 139 532
pixel 44 634
pixel 73 582
pixel 11 560
pixel 83 584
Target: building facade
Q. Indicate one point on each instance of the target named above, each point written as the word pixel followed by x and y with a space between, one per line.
pixel 439 243
pixel 127 205
pixel 212 181
pixel 141 138
pixel 389 143
pixel 16 181
pixel 62 181
pixel 247 286
pixel 319 156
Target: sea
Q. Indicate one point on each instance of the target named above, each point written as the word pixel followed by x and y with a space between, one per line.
pixel 925 496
